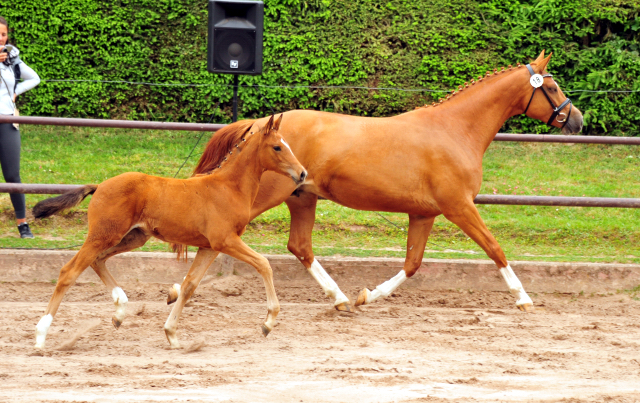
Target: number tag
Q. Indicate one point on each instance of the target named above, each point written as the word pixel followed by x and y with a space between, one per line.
pixel 536 81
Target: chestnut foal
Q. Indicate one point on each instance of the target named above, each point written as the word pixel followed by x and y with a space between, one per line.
pixel 209 211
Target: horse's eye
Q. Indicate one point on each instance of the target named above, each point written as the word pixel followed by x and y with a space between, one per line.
pixel 277 148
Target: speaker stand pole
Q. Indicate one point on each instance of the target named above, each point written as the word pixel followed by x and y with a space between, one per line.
pixel 235 97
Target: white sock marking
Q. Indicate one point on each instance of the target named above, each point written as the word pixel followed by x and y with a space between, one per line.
pixel 329 286
pixel 515 286
pixel 41 330
pixel 120 300
pixel 385 289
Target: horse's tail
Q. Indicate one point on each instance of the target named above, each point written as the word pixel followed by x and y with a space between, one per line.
pixel 180 250
pixel 48 207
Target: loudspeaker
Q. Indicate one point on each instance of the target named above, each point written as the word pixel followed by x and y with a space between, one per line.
pixel 235 37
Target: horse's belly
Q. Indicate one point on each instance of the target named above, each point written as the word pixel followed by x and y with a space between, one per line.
pixel 371 196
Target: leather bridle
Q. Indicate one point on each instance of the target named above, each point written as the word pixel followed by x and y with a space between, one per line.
pixel 556 110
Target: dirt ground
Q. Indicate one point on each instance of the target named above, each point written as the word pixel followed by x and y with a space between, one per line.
pixel 415 346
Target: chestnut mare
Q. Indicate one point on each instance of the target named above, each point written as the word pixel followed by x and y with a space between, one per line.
pixel 209 211
pixel 424 163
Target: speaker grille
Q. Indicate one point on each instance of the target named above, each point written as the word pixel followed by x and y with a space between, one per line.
pixel 235 49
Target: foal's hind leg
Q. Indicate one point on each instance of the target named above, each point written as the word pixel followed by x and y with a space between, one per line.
pixel 234 247
pixel 419 230
pixel 466 217
pixel 68 275
pixel 201 263
pixel 303 215
pixel 134 239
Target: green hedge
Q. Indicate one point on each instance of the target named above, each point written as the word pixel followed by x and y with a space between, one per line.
pixel 430 44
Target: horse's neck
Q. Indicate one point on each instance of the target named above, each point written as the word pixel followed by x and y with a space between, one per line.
pixel 476 114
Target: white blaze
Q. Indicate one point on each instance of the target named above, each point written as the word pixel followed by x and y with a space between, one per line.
pixel 287 145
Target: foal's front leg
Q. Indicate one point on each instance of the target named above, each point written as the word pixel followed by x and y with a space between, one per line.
pixel 236 248
pixel 201 263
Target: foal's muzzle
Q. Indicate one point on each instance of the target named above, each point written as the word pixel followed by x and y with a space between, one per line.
pixel 299 179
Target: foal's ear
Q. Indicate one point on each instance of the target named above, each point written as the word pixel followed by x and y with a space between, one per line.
pixel 269 126
pixel 277 125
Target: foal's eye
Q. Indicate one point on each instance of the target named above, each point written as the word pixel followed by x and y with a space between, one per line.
pixel 277 148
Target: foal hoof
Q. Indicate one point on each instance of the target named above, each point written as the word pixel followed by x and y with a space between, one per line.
pixel 362 297
pixel 174 291
pixel 526 307
pixel 265 330
pixel 345 307
pixel 116 322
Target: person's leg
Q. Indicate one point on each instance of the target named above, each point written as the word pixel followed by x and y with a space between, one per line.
pixel 10 163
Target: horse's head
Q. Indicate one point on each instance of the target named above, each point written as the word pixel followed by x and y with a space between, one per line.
pixel 547 102
pixel 276 155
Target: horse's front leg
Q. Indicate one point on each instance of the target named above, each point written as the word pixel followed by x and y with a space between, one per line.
pixel 466 217
pixel 236 248
pixel 419 230
pixel 303 215
pixel 201 263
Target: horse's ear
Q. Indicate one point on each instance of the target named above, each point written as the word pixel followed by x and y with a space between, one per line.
pixel 539 58
pixel 277 125
pixel 542 65
pixel 269 126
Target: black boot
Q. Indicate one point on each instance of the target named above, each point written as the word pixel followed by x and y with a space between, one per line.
pixel 25 232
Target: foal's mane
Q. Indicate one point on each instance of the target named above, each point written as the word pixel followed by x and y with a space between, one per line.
pixel 220 144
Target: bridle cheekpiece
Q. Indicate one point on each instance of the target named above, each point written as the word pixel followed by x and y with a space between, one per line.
pixel 536 81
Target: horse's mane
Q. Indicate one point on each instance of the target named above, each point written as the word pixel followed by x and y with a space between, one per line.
pixel 489 74
pixel 220 144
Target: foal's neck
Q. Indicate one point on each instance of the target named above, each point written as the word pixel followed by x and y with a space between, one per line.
pixel 242 170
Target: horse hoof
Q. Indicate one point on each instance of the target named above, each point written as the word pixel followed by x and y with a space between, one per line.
pixel 116 322
pixel 173 294
pixel 265 330
pixel 526 307
pixel 345 307
pixel 362 297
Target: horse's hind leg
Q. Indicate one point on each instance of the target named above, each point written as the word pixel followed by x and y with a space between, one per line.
pixel 419 230
pixel 67 277
pixel 469 220
pixel 234 247
pixel 201 263
pixel 303 216
pixel 134 239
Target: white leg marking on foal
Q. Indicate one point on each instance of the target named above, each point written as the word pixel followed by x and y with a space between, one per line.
pixel 515 286
pixel 41 330
pixel 385 289
pixel 120 300
pixel 329 286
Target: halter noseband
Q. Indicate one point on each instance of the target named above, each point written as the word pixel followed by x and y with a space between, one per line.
pixel 556 111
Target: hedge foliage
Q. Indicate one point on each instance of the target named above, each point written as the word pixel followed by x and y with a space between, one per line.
pixel 430 44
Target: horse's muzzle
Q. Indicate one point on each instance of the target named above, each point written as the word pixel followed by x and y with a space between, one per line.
pixel 574 124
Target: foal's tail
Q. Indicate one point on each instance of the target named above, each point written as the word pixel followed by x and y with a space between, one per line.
pixel 48 207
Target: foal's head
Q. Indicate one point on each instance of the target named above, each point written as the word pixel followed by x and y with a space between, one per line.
pixel 547 102
pixel 276 155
